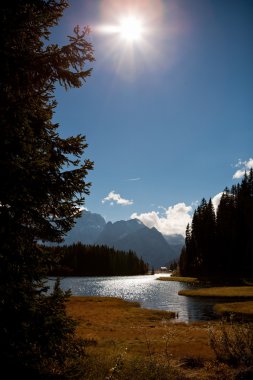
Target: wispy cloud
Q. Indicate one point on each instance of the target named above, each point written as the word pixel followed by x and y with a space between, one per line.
pixel 134 179
pixel 113 197
pixel 173 221
pixel 244 166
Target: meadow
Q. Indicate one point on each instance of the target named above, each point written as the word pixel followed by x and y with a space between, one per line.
pixel 125 341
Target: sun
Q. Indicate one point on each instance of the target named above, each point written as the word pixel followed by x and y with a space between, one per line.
pixel 131 28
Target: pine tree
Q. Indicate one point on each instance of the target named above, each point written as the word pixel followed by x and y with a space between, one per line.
pixel 244 214
pixel 198 256
pixel 227 234
pixel 42 184
pixel 199 238
pixel 221 244
pixel 211 256
pixel 186 260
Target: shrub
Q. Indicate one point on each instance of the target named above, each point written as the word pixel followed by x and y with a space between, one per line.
pixel 232 342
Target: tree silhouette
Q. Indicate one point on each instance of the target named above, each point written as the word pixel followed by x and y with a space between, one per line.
pixel 42 183
pixel 221 244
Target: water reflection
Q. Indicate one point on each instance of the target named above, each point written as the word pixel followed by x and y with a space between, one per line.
pixel 147 290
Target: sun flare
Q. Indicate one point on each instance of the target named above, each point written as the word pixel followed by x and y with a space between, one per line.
pixel 130 31
pixel 131 28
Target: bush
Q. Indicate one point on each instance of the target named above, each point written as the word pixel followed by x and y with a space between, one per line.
pixel 232 342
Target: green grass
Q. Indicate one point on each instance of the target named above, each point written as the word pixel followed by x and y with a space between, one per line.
pixel 178 278
pixel 224 291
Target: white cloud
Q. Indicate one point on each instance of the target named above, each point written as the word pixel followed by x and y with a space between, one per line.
pixel 216 200
pixel 83 208
pixel 173 221
pixel 113 197
pixel 245 166
pixel 238 174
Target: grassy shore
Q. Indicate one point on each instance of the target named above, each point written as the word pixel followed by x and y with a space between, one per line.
pixel 239 309
pixel 127 341
pixel 178 278
pixel 223 291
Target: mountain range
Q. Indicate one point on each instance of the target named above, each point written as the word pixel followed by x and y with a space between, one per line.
pixel 154 248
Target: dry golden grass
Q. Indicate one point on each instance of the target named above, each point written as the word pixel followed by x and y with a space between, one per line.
pixel 224 291
pixel 240 308
pixel 143 340
pixel 115 324
pixel 107 319
pixel 178 278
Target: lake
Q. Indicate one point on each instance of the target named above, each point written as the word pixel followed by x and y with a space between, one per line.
pixel 148 291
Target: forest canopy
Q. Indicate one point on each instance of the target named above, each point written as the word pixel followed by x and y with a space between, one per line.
pixel 94 260
pixel 221 243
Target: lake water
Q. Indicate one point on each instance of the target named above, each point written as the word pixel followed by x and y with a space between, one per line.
pixel 147 290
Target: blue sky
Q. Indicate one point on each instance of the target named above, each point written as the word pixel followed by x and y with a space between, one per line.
pixel 168 117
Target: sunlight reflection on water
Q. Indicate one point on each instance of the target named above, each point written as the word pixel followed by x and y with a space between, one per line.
pixel 147 290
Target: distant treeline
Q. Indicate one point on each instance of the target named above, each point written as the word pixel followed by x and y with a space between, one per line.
pixel 221 243
pixel 94 260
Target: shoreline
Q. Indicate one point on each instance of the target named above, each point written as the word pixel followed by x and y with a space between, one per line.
pixel 220 292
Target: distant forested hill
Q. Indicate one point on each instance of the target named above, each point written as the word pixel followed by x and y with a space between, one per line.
pixel 93 260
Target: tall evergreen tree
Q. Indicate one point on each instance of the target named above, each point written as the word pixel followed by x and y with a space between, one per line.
pixel 222 244
pixel 200 237
pixel 227 234
pixel 186 260
pixel 211 255
pixel 244 208
pixel 42 183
